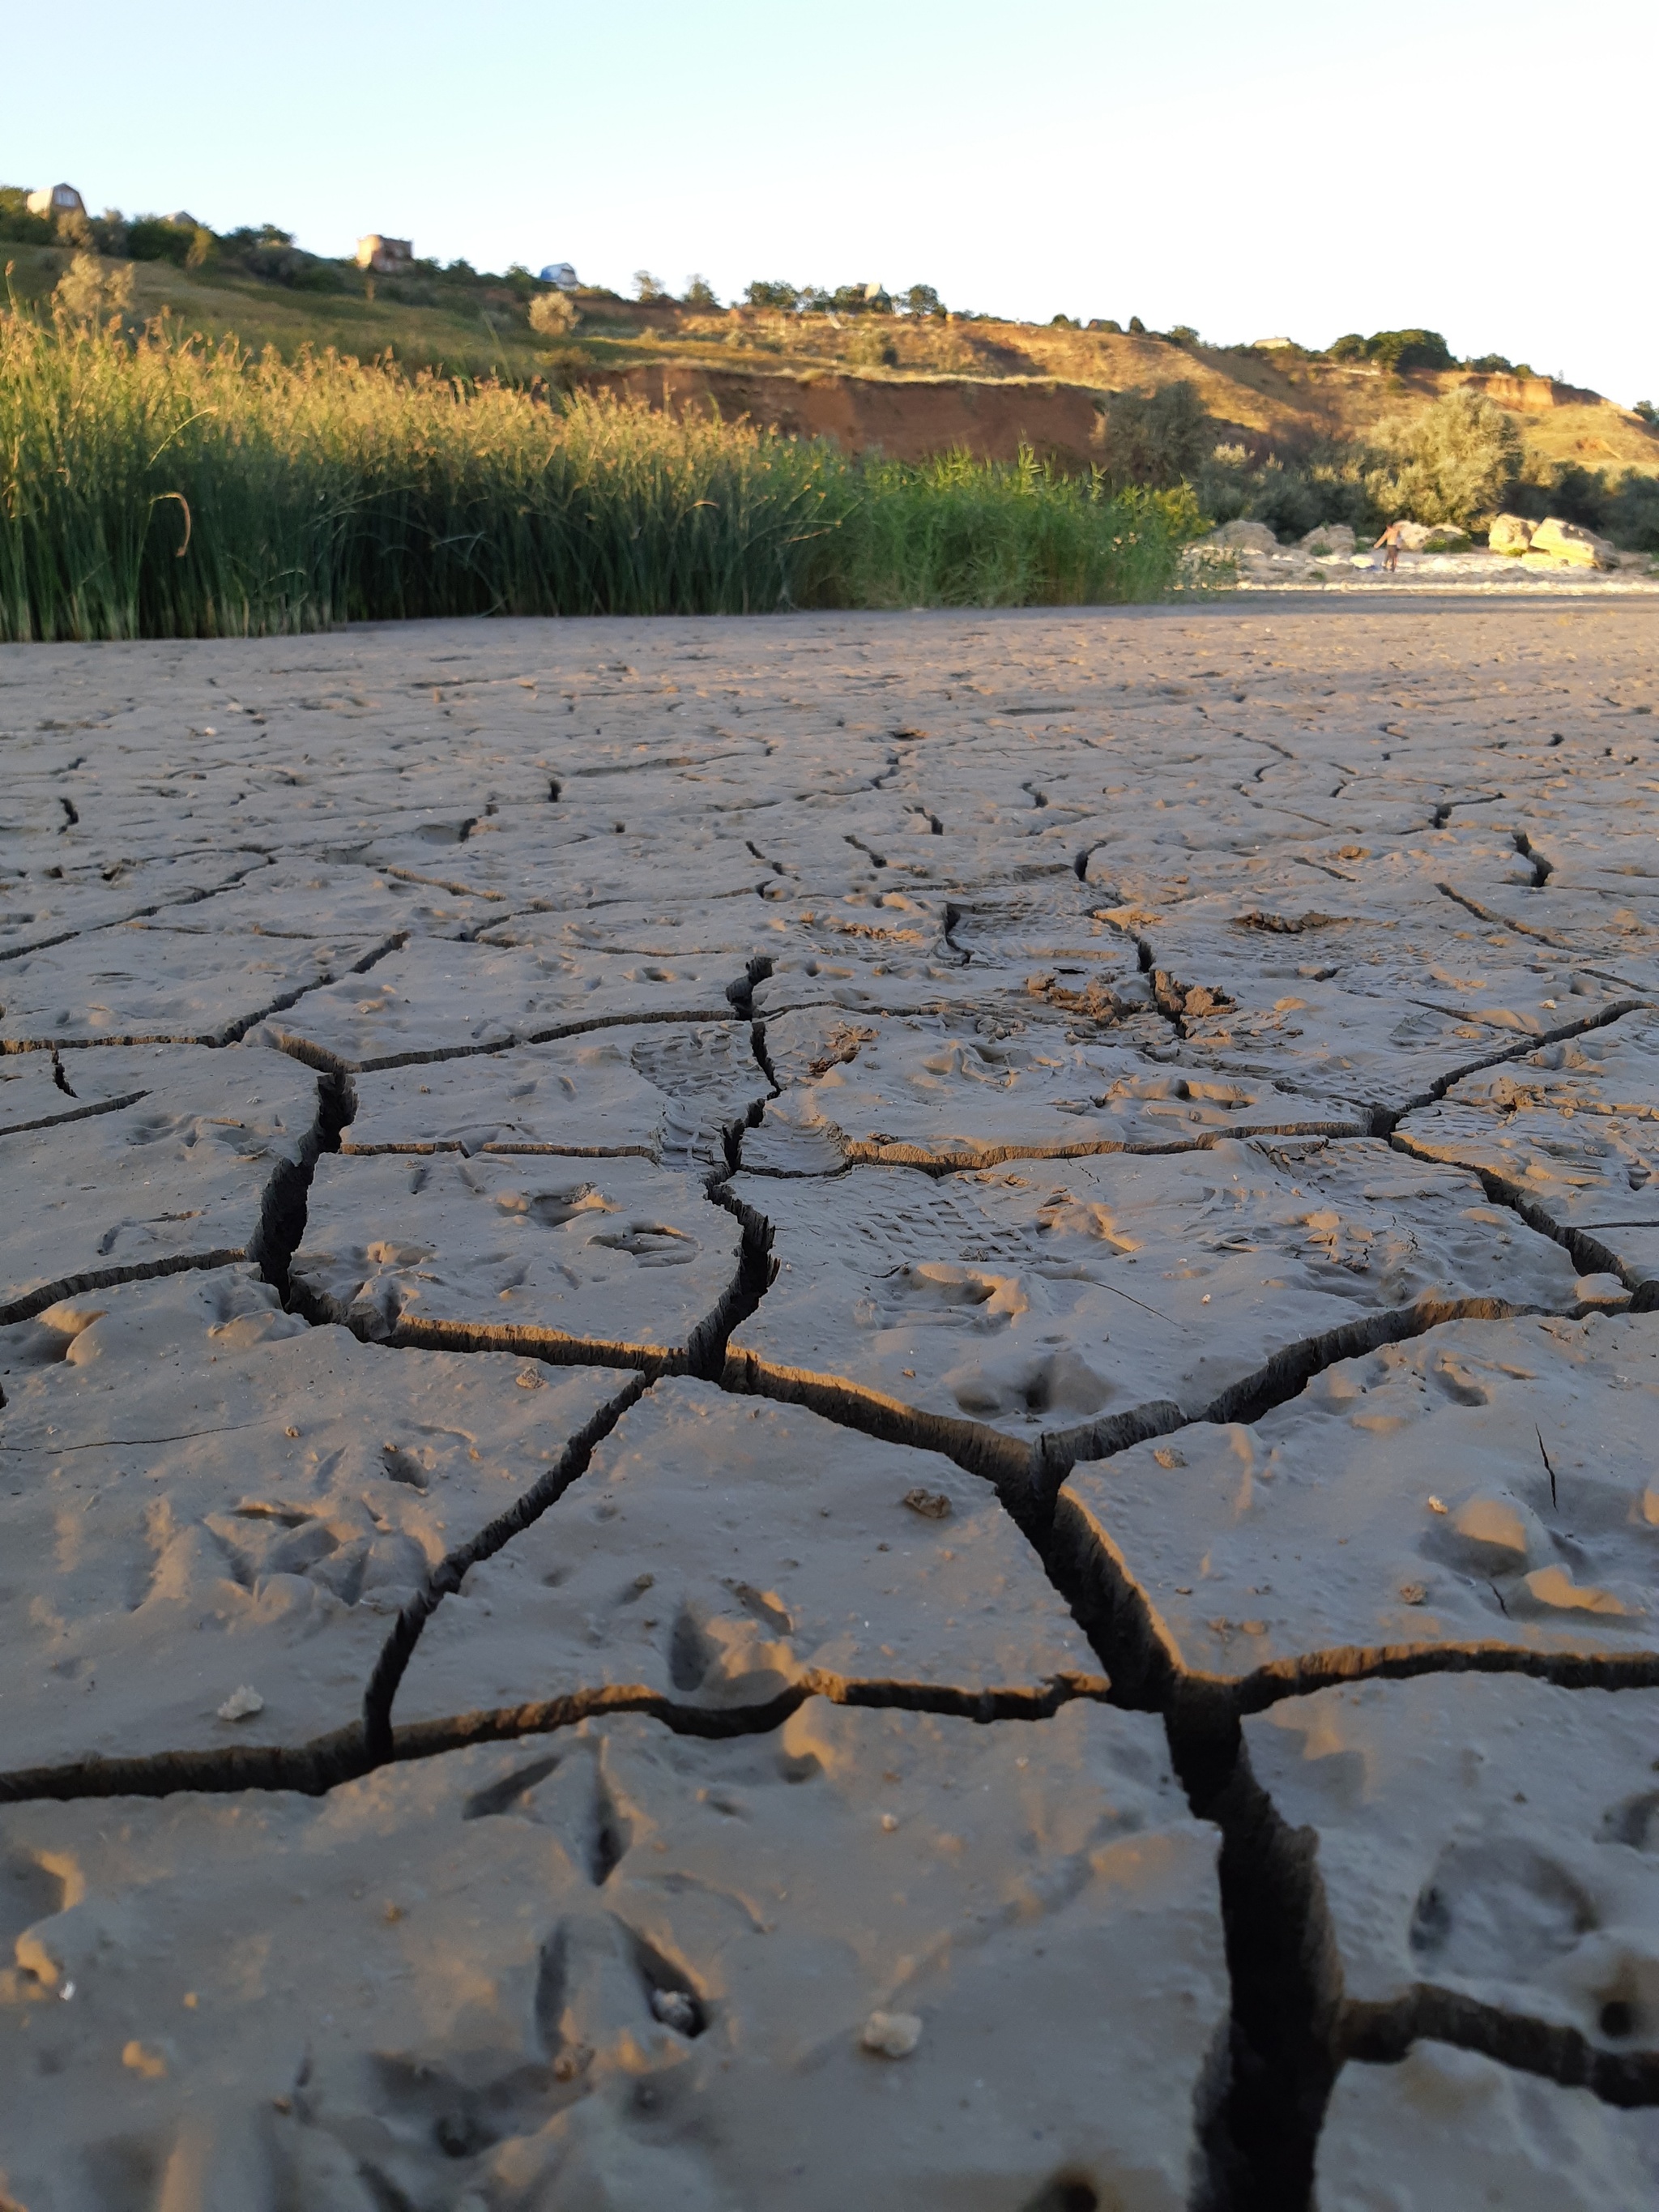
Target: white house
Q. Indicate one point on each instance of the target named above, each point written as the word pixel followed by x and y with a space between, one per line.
pixel 55 199
pixel 386 257
pixel 560 273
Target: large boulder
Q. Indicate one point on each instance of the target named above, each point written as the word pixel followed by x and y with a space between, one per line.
pixel 1510 534
pixel 1565 543
pixel 1331 540
pixel 1446 537
pixel 1243 536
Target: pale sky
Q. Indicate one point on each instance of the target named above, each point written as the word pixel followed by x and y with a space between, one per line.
pixel 1483 168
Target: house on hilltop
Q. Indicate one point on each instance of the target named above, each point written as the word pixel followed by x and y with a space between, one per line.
pixel 385 257
pixel 55 199
pixel 560 273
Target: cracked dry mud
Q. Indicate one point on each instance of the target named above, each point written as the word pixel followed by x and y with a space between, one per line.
pixel 832 1412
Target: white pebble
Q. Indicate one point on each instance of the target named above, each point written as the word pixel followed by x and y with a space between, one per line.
pixel 242 1704
pixel 891 2034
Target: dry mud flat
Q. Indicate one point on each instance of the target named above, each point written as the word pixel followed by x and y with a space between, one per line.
pixel 831 1413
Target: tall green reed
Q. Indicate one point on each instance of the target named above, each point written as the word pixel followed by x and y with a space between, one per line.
pixel 957 532
pixel 154 485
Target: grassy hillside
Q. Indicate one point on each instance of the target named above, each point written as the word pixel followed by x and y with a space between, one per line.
pixel 463 324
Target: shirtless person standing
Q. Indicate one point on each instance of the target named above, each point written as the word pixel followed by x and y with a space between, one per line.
pixel 1389 541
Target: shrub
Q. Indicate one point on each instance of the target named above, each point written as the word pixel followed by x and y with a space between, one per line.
pixel 1627 511
pixel 1458 461
pixel 955 532
pixel 1137 327
pixel 90 290
pixel 1155 438
pixel 921 299
pixel 1630 514
pixel 157 238
pixel 1349 348
pixel 773 293
pixel 699 293
pixel 554 314
pixel 1326 486
pixel 649 290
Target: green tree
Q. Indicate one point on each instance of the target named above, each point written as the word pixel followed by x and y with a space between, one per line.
pixel 1458 461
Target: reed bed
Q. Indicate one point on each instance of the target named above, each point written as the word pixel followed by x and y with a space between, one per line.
pixel 155 485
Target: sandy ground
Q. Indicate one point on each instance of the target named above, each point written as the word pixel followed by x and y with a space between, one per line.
pixel 832 1411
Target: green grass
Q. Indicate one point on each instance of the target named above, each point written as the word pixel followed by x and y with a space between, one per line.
pixel 958 532
pixel 158 485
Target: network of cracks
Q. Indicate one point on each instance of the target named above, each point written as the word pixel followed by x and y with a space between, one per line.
pixel 853 1413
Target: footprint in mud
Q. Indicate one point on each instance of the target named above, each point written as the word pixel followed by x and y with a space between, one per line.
pixel 1034 1383
pixel 1496 1907
pixel 946 1286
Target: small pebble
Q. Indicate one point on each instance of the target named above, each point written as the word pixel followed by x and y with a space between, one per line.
pixel 674 2009
pixel 932 1504
pixel 891 2034
pixel 242 1704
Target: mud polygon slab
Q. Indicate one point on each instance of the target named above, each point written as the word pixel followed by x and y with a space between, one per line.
pixel 435 998
pixel 1446 2129
pixel 666 1089
pixel 1572 1131
pixel 936 1090
pixel 619 1966
pixel 136 984
pixel 39 1090
pixel 1057 1296
pixel 720 1550
pixel 1403 1503
pixel 670 927
pixel 37 907
pixel 1486 1835
pixel 538 1252
pixel 1587 1175
pixel 312 896
pixel 1612 1071
pixel 196 1167
pixel 197 1492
